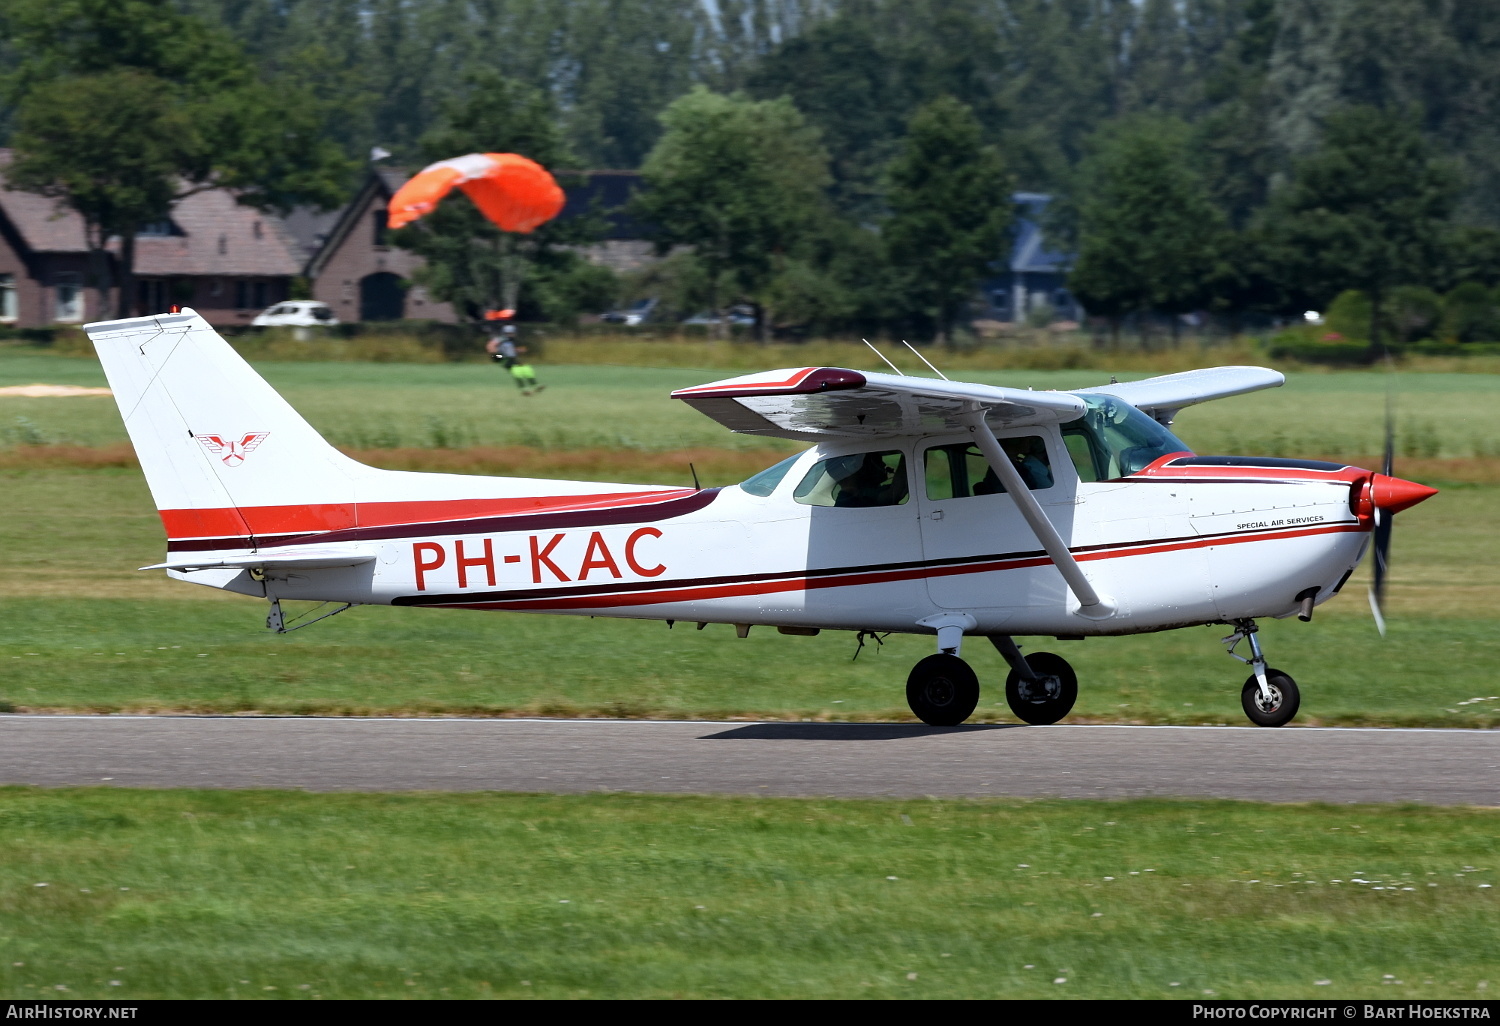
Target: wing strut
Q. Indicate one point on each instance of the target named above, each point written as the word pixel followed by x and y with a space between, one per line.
pixel 1091 604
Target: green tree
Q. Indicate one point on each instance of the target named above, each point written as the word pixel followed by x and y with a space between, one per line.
pixel 950 203
pixel 740 182
pixel 1471 313
pixel 126 107
pixel 841 80
pixel 471 263
pixel 1368 210
pixel 1149 237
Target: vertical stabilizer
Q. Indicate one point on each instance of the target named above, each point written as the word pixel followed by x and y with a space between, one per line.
pixel 214 438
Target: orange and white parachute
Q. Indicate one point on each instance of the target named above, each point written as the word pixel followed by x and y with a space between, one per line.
pixel 515 193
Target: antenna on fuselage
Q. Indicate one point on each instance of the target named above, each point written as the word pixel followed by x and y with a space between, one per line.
pixel 925 360
pixel 878 353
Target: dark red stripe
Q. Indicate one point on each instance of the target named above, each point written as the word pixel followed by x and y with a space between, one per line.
pixel 655 592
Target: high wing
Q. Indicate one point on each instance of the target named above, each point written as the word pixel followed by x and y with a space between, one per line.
pixel 814 403
pixel 1162 397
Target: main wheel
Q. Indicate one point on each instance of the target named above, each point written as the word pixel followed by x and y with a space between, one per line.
pixel 942 690
pixel 1283 703
pixel 1049 697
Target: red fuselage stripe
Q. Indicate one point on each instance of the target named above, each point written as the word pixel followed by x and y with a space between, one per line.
pixel 184 524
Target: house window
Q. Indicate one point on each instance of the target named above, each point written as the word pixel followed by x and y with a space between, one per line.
pixel 150 296
pixel 67 292
pixel 252 295
pixel 157 229
pixel 381 238
pixel 10 307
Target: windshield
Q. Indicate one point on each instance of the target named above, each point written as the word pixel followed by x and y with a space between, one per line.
pixel 1114 439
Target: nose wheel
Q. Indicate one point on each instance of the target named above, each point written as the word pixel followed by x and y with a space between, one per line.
pixel 1275 706
pixel 1270 697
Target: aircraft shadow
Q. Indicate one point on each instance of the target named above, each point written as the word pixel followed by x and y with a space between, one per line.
pixel 844 731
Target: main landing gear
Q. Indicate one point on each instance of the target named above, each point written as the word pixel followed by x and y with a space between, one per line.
pixel 1270 698
pixel 942 690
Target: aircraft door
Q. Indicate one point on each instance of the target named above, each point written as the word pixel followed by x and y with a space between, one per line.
pixel 861 524
pixel 974 539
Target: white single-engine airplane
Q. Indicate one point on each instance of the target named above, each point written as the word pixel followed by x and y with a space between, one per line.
pixel 925 506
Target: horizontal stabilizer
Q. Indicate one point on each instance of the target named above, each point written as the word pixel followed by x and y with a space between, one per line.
pixel 307 559
pixel 816 403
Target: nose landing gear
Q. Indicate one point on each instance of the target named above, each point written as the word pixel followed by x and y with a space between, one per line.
pixel 1270 697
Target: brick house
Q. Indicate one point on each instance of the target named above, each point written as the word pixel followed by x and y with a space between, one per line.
pixel 227 261
pixel 44 264
pixel 354 268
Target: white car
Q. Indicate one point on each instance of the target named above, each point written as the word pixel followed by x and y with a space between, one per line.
pixel 296 313
pixel 633 316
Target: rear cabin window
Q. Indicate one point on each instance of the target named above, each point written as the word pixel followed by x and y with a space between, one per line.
pixel 1114 439
pixel 858 481
pixel 765 482
pixel 960 471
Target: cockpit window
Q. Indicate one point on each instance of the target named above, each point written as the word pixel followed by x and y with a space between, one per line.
pixel 765 482
pixel 1114 439
pixel 858 481
pixel 961 470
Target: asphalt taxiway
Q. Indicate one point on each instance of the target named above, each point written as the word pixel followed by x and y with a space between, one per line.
pixel 1440 767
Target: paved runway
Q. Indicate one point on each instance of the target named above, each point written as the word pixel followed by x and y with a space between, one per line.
pixel 1444 767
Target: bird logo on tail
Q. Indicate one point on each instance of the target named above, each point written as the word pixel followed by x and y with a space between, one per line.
pixel 232 453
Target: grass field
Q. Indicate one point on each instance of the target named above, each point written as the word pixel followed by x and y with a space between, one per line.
pixel 455 406
pixel 140 894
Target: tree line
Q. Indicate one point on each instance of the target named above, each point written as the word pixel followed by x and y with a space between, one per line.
pixel 1242 157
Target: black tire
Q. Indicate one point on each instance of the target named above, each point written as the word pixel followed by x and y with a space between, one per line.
pixel 942 690
pixel 1047 699
pixel 1286 699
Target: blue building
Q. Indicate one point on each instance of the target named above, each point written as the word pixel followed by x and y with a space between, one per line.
pixel 1036 273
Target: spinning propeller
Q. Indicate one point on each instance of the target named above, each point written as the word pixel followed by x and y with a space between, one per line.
pixel 1388 495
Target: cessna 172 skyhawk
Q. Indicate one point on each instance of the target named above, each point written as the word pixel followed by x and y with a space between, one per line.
pixel 924 506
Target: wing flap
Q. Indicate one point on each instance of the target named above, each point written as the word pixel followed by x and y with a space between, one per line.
pixel 814 403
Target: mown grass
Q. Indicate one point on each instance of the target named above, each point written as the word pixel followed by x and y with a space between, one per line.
pixel 156 655
pixel 150 894
pixel 456 406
